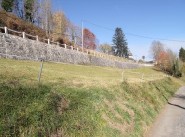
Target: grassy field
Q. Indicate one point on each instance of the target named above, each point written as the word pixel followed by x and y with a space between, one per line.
pixel 74 100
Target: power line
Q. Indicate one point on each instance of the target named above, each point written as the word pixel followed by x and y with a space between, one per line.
pixel 135 35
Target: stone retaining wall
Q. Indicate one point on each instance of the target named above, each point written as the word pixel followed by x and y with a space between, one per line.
pixel 18 48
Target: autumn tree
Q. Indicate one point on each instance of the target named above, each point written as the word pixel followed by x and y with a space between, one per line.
pixel 7 5
pixel 166 59
pixel 105 48
pixel 156 48
pixel 163 60
pixel 60 25
pixel 89 39
pixel 120 49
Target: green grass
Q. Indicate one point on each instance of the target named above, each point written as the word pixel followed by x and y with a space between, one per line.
pixel 74 100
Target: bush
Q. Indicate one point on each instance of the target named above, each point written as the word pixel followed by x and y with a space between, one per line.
pixel 176 71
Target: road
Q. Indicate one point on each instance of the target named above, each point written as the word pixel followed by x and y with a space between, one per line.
pixel 171 122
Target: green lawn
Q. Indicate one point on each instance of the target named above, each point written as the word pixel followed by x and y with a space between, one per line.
pixel 75 100
pixel 77 74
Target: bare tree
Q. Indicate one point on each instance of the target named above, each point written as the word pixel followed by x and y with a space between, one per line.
pixel 172 57
pixel 0 4
pixel 105 48
pixel 46 16
pixel 19 8
pixel 156 48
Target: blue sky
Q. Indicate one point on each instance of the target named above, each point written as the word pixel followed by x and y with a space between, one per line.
pixel 152 18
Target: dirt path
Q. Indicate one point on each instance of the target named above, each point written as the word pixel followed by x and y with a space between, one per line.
pixel 171 122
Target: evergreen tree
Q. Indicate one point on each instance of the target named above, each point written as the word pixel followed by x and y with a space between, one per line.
pixel 182 54
pixel 176 69
pixel 120 49
pixel 29 10
pixel 7 5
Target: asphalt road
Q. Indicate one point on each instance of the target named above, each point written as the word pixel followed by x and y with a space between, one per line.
pixel 171 122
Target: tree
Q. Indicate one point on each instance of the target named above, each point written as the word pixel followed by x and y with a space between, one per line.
pixel 29 10
pixel 143 58
pixel 120 49
pixel 46 16
pixel 164 61
pixel 182 54
pixel 156 48
pixel 19 8
pixel 176 70
pixel 7 5
pixel 106 48
pixel 89 39
pixel 60 25
pixel 0 4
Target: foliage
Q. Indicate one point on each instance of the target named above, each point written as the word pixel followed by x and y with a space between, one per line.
pixel 163 61
pixel 60 25
pixel 182 54
pixel 89 39
pixel 105 48
pixel 15 23
pixel 29 10
pixel 176 70
pixel 166 59
pixel 156 48
pixel 55 24
pixel 120 49
pixel 7 5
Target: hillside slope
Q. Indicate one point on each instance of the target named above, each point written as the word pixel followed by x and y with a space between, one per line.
pixel 75 100
pixel 13 22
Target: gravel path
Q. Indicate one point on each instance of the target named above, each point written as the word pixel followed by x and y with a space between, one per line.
pixel 171 122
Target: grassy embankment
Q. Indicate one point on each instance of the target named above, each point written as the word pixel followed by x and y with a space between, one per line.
pixel 80 101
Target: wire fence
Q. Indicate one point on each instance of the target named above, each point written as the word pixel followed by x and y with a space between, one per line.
pixel 71 47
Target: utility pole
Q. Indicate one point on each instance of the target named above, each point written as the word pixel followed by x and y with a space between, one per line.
pixel 82 36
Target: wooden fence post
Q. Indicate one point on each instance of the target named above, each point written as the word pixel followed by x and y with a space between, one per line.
pixel 5 30
pixel 37 38
pixel 23 35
